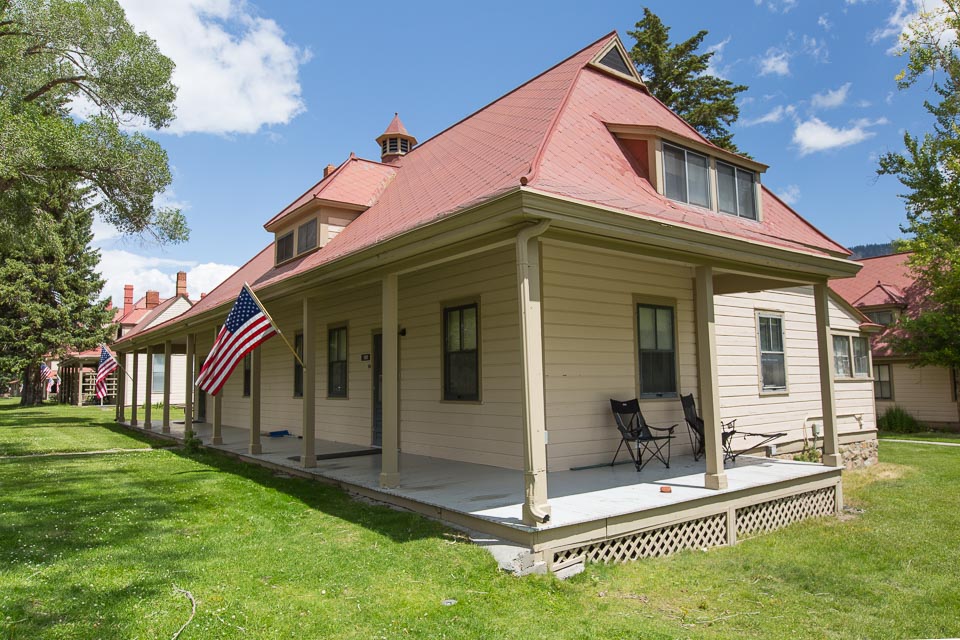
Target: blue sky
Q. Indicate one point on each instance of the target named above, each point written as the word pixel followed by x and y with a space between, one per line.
pixel 272 92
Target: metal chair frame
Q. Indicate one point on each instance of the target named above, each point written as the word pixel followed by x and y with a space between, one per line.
pixel 634 429
pixel 729 430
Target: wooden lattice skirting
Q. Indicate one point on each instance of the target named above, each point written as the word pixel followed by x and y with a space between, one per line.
pixel 705 532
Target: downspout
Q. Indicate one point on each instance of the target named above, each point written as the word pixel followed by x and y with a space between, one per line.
pixel 535 500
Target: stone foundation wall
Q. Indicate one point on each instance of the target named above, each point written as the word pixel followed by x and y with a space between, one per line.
pixel 859 454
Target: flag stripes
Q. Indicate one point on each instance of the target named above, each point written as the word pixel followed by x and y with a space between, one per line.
pixel 105 367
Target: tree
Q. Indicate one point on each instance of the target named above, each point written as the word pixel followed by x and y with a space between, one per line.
pixel 930 171
pixel 49 288
pixel 63 58
pixel 678 77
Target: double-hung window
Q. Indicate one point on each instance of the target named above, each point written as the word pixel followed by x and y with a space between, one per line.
pixel 307 236
pixel 461 354
pixel 297 369
pixel 657 345
pixel 773 361
pixel 842 366
pixel 736 191
pixel 337 362
pixel 157 372
pixel 882 382
pixel 285 247
pixel 686 176
pixel 851 357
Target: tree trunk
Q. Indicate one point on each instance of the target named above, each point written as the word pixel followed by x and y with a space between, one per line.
pixel 32 387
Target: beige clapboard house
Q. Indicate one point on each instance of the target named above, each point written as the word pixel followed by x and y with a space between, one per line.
pixel 467 307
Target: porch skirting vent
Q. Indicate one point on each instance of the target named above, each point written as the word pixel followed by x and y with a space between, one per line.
pixel 705 532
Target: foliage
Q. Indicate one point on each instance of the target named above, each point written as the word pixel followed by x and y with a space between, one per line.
pixel 49 289
pixel 678 76
pixel 92 546
pixel 930 171
pixel 896 419
pixel 872 250
pixel 65 58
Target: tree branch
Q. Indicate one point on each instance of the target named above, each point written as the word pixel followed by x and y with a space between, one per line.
pixel 74 80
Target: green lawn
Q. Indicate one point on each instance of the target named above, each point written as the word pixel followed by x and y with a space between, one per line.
pixel 928 436
pixel 94 547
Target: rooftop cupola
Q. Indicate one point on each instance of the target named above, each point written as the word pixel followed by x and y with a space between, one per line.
pixel 395 142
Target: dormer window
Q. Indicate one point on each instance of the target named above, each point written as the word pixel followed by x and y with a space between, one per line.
pixel 736 191
pixel 686 176
pixel 307 236
pixel 285 247
pixel 883 317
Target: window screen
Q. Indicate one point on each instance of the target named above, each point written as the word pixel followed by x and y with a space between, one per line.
pixel 307 236
pixel 337 363
pixel 657 351
pixel 285 247
pixel 773 365
pixel 461 362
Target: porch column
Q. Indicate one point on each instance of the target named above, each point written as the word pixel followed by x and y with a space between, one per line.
pixel 255 447
pixel 167 359
pixel 716 477
pixel 121 388
pixel 217 406
pixel 536 509
pixel 831 443
pixel 390 443
pixel 79 385
pixel 133 389
pixel 148 391
pixel 188 388
pixel 309 458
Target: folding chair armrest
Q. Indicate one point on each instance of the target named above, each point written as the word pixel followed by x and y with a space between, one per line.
pixel 667 429
pixel 729 424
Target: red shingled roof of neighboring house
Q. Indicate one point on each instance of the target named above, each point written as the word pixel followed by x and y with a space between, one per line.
pixel 553 132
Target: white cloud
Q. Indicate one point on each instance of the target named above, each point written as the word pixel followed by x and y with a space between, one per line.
pixel 775 61
pixel 906 11
pixel 777 6
pixel 235 71
pixel 830 99
pixel 815 135
pixel 816 49
pixel 774 115
pixel 714 68
pixel 790 194
pixel 824 22
pixel 120 267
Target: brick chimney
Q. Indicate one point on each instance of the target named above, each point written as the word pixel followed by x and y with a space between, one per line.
pixel 153 299
pixel 127 299
pixel 202 296
pixel 181 283
pixel 328 170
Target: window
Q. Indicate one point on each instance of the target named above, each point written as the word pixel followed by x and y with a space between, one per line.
pixel 285 247
pixel 461 361
pixel 686 176
pixel 881 317
pixel 307 236
pixel 861 357
pixel 841 357
pixel 157 372
pixel 851 357
pixel 247 364
pixel 297 369
pixel 882 383
pixel 337 363
pixel 773 365
pixel 736 191
pixel 657 351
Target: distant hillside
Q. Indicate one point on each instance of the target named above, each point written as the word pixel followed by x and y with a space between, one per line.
pixel 871 250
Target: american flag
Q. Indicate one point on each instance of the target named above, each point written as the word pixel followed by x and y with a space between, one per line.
pixel 44 371
pixel 247 326
pixel 104 368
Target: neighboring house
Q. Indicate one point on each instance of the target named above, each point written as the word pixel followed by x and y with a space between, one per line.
pixel 884 290
pixel 477 299
pixel 148 311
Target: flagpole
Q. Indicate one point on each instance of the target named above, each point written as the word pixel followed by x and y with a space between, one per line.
pixel 274 324
pixel 119 366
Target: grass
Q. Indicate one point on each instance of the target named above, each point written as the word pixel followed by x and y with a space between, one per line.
pixel 926 436
pixel 94 546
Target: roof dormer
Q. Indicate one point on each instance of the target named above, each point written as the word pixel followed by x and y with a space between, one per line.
pixel 395 142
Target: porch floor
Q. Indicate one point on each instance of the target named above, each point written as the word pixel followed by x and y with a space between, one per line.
pixel 495 495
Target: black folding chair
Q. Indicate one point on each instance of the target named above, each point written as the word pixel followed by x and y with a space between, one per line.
pixel 634 429
pixel 729 431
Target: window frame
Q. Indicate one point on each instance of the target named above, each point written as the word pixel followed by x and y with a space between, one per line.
pixel 736 191
pixel 153 371
pixel 316 235
pixel 772 390
pixel 297 369
pixel 276 247
pixel 655 302
pixel 446 308
pixel 331 392
pixel 710 178
pixel 851 355
pixel 878 381
pixel 870 314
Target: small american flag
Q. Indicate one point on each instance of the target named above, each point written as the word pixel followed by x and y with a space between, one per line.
pixel 104 368
pixel 247 326
pixel 44 371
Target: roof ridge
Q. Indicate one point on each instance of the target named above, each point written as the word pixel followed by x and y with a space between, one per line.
pixel 886 255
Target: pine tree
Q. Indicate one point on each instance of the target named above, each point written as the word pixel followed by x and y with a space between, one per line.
pixel 676 75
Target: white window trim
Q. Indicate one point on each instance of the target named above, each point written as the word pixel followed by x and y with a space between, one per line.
pixel 772 391
pixel 853 369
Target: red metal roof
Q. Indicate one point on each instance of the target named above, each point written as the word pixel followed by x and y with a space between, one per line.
pixel 395 127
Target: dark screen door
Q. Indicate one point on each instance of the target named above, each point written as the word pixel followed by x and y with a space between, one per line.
pixel 377 390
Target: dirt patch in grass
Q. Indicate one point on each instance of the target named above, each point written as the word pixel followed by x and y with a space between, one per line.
pixel 855 481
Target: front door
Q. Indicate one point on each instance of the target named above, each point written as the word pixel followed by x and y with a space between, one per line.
pixel 377 390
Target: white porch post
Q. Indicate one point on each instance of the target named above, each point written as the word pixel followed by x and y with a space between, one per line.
pixel 121 389
pixel 217 406
pixel 148 391
pixel 390 443
pixel 188 389
pixel 715 477
pixel 255 447
pixel 536 509
pixel 167 359
pixel 831 443
pixel 309 458
pixel 133 389
pixel 79 385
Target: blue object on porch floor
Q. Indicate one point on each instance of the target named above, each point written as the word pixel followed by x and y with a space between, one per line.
pixel 277 434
